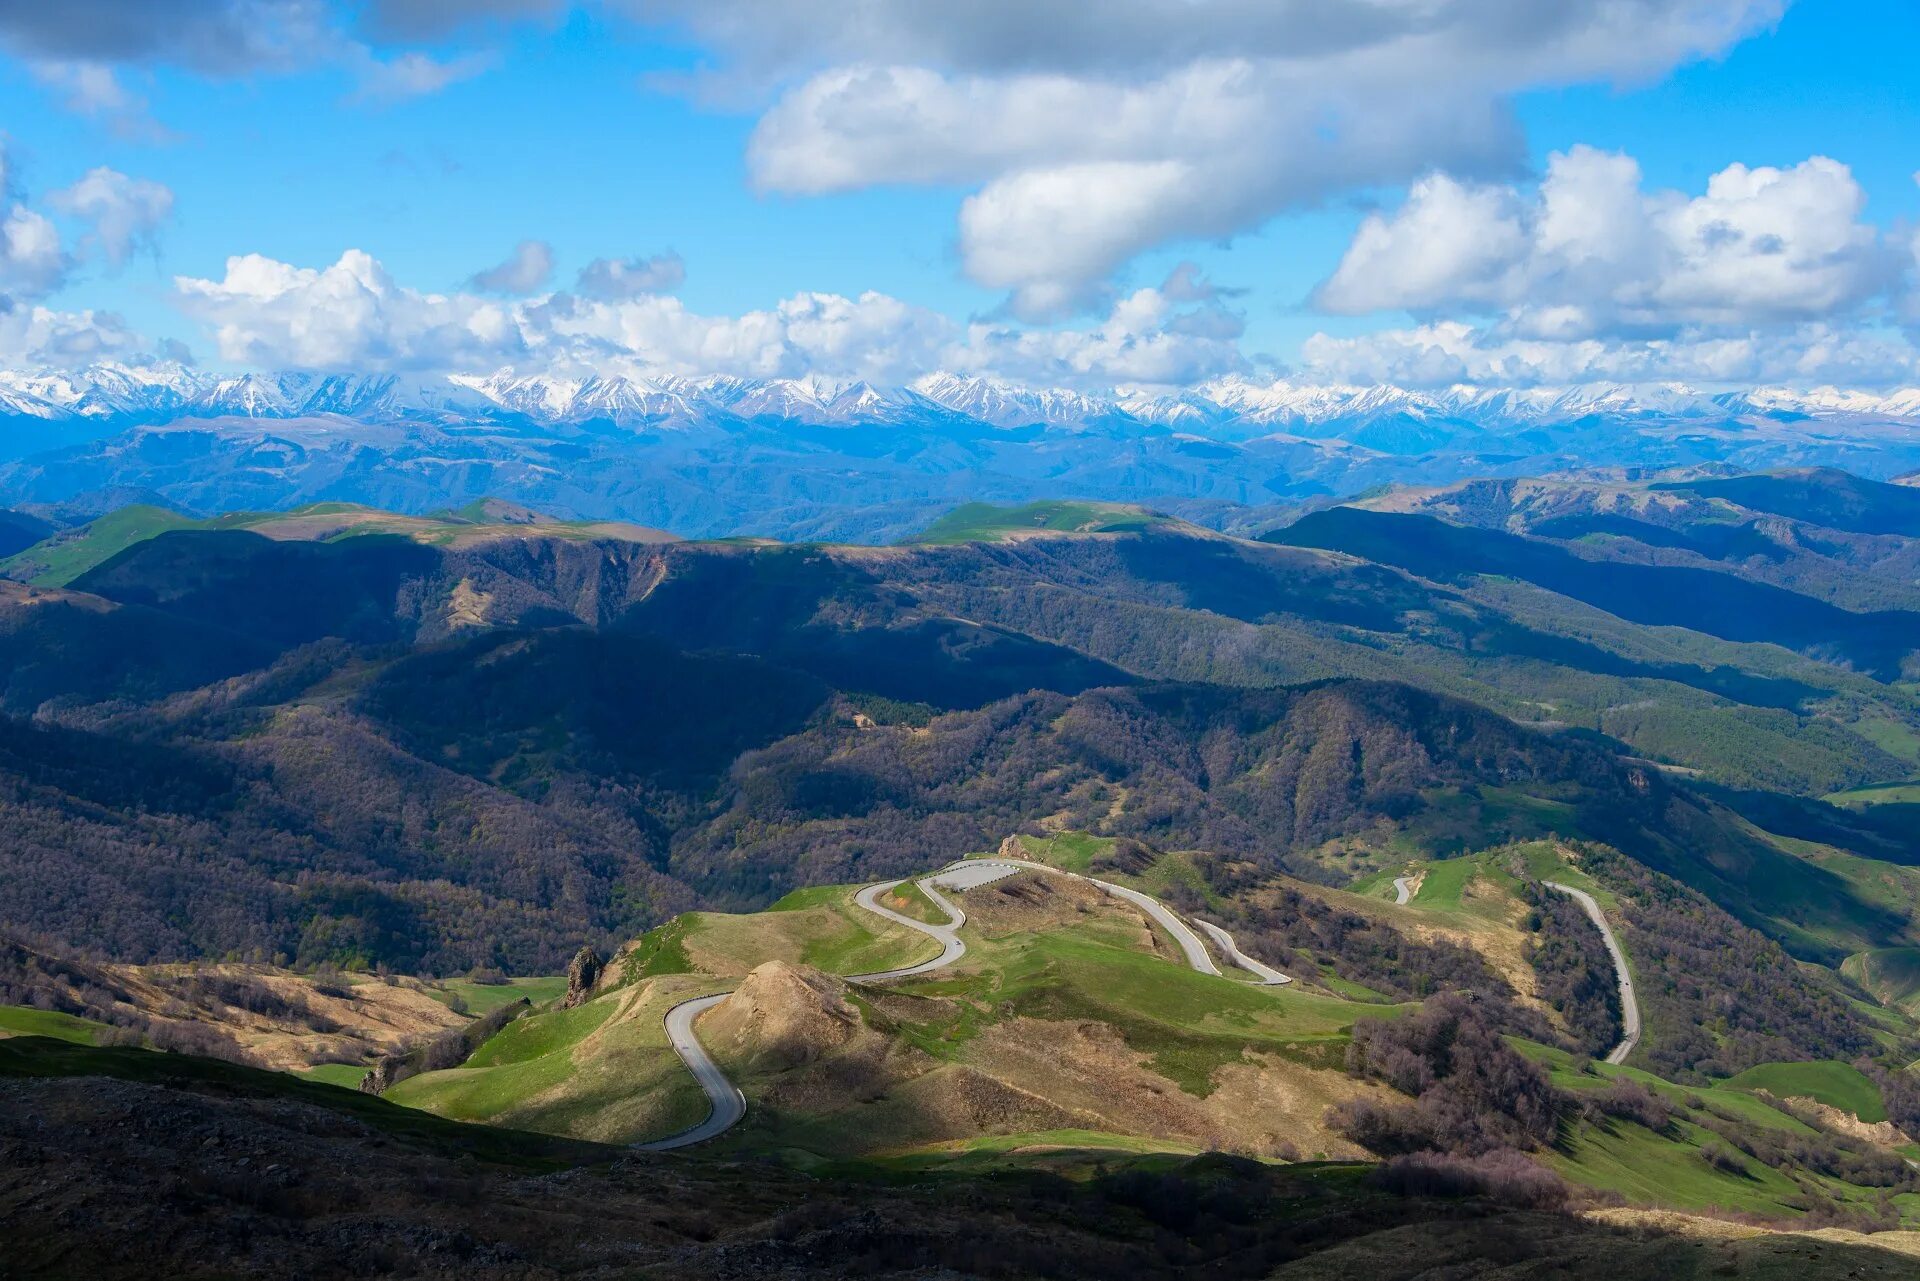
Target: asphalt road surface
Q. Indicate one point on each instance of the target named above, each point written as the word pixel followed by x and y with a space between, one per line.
pixel 728 1104
pixel 1629 1004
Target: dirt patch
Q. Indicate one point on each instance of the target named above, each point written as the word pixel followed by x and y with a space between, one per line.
pixel 1673 1223
pixel 1261 1107
pixel 278 1018
pixel 960 1102
pixel 1038 902
pixel 467 607
pixel 1884 1134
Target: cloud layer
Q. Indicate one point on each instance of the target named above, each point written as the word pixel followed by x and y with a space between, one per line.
pixel 1592 254
pixel 1088 134
pixel 115 216
pixel 353 315
pixel 1768 274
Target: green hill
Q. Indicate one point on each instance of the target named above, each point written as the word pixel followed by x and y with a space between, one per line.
pixel 67 555
pixel 986 523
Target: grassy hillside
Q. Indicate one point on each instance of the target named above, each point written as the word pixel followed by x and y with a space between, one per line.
pixel 1838 1085
pixel 601 1070
pixel 1891 974
pixel 588 737
pixel 18 1020
pixel 70 553
pixel 1142 1048
pixel 66 555
pixel 1049 1203
pixel 818 927
pixel 984 522
pixel 1071 1030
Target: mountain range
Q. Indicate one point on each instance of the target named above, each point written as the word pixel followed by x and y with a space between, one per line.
pixel 815 458
pixel 113 393
pixel 1449 762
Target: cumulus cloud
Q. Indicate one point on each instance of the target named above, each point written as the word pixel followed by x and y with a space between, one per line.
pixel 1088 133
pixel 76 46
pixel 1770 274
pixel 1591 253
pixel 38 336
pixel 618 278
pixel 351 315
pixel 1443 353
pixel 33 262
pixel 125 212
pixel 354 315
pixel 122 214
pixel 525 270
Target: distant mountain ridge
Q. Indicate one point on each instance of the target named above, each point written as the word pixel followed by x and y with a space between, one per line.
pixel 159 393
pixel 814 457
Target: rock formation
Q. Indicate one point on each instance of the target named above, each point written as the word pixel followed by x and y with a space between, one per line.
pixel 582 975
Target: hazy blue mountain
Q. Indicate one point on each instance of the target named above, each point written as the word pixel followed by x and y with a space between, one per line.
pixel 809 458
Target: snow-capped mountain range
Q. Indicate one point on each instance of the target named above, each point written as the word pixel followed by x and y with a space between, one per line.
pixel 116 395
pixel 819 458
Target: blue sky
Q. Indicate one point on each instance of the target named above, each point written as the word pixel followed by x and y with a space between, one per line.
pixel 1203 190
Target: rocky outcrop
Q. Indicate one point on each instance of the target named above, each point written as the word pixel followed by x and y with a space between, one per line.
pixel 582 975
pixel 384 1075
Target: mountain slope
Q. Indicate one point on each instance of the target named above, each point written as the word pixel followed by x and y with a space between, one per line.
pixel 445 743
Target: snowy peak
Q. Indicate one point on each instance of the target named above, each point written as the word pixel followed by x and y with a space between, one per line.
pixel 1005 404
pixel 1396 419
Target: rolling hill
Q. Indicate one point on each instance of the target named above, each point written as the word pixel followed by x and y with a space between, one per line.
pixel 814 713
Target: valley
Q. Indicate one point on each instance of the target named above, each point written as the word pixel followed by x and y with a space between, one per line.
pixel 1485 841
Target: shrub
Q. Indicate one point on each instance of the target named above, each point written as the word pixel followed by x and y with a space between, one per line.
pixel 1472 1092
pixel 1631 1101
pixel 1723 1158
pixel 1501 1175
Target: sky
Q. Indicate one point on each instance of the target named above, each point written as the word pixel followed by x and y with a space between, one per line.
pixel 1141 193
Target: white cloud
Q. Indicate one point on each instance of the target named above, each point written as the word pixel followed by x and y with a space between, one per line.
pixel 353 315
pixel 412 74
pixel 92 88
pixel 1592 254
pixel 617 278
pixel 1088 133
pixel 125 212
pixel 38 336
pixel 1448 352
pixel 34 259
pixel 77 46
pixel 33 262
pixel 1770 274
pixel 525 270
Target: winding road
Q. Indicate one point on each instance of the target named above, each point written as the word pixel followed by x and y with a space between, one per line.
pixel 1189 943
pixel 728 1106
pixel 1629 1004
pixel 1403 890
pixel 1268 976
pixel 948 935
pixel 727 1103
